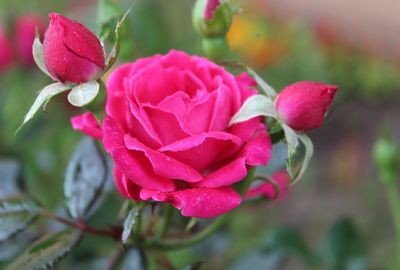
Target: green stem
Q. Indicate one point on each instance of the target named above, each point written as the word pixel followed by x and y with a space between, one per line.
pixel 394 203
pixel 169 244
pixel 139 221
pixel 277 136
pixel 168 211
pixel 114 233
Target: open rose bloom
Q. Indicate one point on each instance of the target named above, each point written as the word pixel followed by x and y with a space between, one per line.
pixel 167 131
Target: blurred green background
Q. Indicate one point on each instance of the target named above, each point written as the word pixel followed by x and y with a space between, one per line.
pixel 284 46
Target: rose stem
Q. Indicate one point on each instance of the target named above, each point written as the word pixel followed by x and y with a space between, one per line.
pixel 114 233
pixel 168 244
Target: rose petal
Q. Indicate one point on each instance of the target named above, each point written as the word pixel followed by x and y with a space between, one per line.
pixel 229 81
pixel 144 128
pixel 125 187
pixel 193 84
pixel 203 150
pixel 87 123
pixel 199 116
pixel 245 81
pixel 150 84
pixel 113 134
pixel 177 103
pixel 177 59
pixel 267 190
pixel 117 104
pixel 165 124
pixel 119 108
pixel 221 114
pixel 162 164
pixel 229 174
pixel 198 202
pixel 138 169
pixel 257 151
pixel 245 130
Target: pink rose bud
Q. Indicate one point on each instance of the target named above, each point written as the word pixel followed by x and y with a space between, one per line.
pixel 211 6
pixel 25 32
pixel 5 50
pixel 303 105
pixel 72 53
pixel 212 18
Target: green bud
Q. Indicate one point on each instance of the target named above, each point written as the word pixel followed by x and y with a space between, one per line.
pixel 386 158
pixel 215 48
pixel 215 26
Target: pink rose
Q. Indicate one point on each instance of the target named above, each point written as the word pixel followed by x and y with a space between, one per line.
pixel 5 50
pixel 167 130
pixel 303 105
pixel 71 52
pixel 25 32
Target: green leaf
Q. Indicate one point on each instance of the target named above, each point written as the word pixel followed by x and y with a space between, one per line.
pixel 16 213
pixel 292 140
pixel 47 251
pixel 112 58
pixel 108 14
pixel 129 222
pixel 267 89
pixel 257 105
pixel 344 248
pixel 37 52
pixel 43 98
pixel 13 246
pixel 308 153
pixel 85 177
pixel 84 93
pixel 288 241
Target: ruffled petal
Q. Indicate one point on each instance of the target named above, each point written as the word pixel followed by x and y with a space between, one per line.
pixel 166 125
pixel 125 187
pixel 136 167
pixel 113 134
pixel 144 128
pixel 119 108
pixel 150 84
pixel 117 104
pixel 177 103
pixel 87 123
pixel 245 130
pixel 162 164
pixel 229 174
pixel 177 59
pixel 203 150
pixel 198 202
pixel 221 113
pixel 199 115
pixel 257 151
